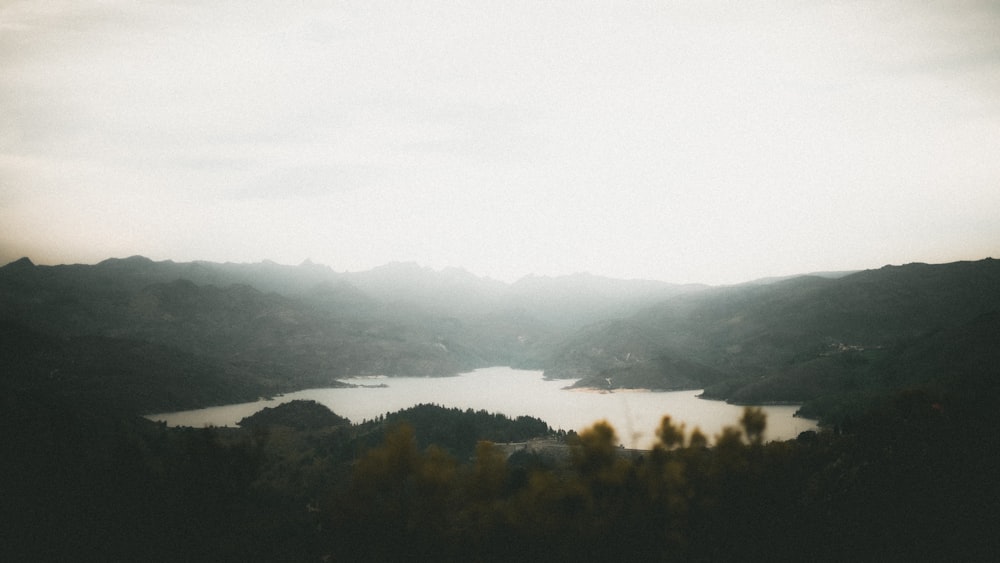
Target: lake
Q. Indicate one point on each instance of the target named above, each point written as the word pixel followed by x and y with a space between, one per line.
pixel 634 414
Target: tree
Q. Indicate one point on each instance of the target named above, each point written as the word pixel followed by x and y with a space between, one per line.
pixel 754 422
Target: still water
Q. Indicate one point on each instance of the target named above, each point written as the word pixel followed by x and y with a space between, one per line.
pixel 634 414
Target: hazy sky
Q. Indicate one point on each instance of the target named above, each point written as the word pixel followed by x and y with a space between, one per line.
pixel 682 141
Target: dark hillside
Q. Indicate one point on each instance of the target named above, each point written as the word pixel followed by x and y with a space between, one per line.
pixel 268 327
pixel 799 339
pixel 126 374
pixel 109 317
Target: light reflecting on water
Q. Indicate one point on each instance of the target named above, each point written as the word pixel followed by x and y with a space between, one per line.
pixel 634 414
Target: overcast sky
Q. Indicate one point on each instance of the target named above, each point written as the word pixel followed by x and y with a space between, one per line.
pixel 681 141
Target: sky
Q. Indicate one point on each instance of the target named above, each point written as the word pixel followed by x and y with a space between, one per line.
pixel 712 142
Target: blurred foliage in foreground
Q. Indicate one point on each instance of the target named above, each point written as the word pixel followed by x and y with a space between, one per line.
pixel 913 480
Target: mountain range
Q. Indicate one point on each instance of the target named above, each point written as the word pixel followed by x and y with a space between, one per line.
pixel 154 336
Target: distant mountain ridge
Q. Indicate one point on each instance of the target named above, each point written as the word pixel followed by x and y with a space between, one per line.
pixel 448 291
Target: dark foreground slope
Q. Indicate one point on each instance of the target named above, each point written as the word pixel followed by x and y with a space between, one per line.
pixel 913 481
pixel 84 482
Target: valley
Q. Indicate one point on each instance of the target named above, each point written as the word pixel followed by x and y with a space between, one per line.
pixel 160 336
pixel 898 366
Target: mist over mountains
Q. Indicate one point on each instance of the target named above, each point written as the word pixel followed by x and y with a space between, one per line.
pixel 155 336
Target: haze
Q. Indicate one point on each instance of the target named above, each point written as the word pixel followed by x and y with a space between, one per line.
pixel 687 143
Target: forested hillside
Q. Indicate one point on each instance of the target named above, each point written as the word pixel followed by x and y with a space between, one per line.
pixel 264 328
pixel 826 342
pixel 165 336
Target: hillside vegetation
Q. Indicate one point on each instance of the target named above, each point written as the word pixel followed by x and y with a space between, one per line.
pixel 261 329
pixel 816 340
pixel 164 336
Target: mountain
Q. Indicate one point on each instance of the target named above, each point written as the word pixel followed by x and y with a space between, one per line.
pixel 450 292
pixel 237 331
pixel 263 342
pixel 774 279
pixel 581 299
pixel 796 340
pixel 270 328
pixel 117 373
